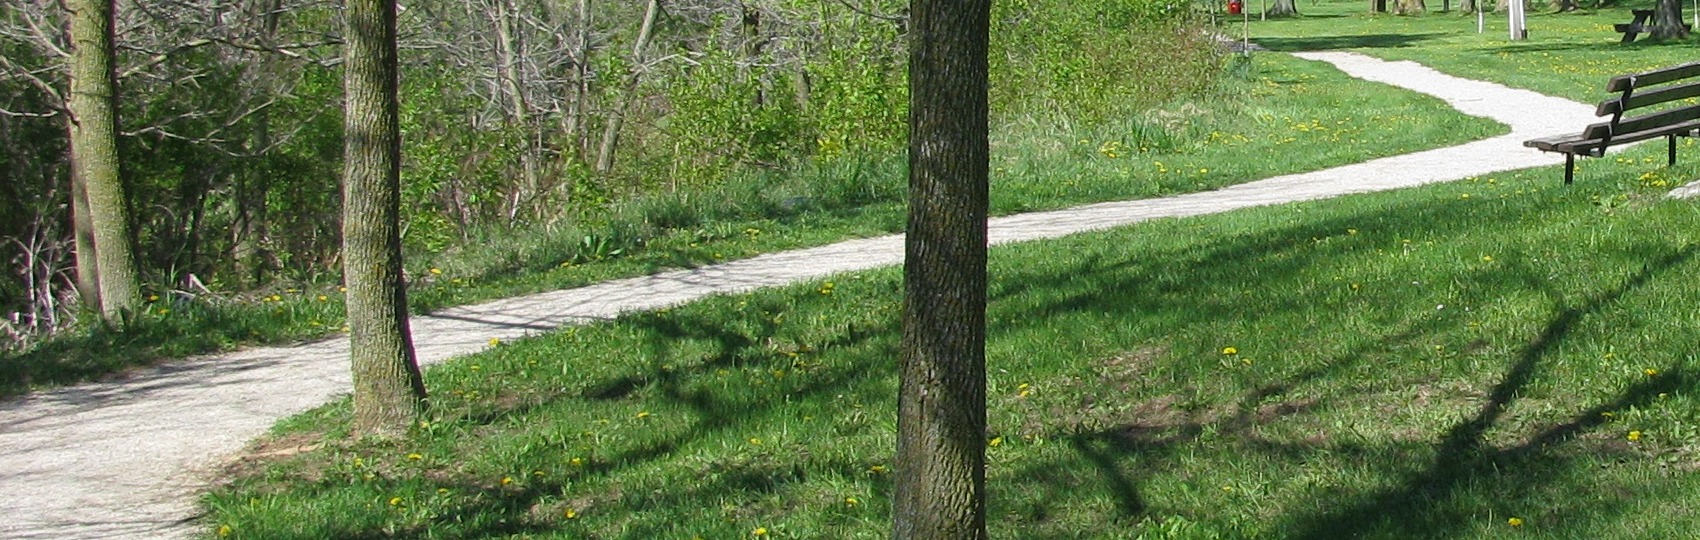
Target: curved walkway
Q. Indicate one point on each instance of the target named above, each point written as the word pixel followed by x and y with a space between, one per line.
pixel 126 459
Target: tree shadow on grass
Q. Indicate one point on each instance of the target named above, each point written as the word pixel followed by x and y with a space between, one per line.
pixel 1329 43
pixel 1125 454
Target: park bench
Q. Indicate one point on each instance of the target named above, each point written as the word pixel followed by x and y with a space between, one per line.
pixel 1639 25
pixel 1638 92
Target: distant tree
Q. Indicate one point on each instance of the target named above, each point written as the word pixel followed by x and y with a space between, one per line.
pixel 1282 8
pixel 941 420
pixel 1667 20
pixel 388 390
pixel 93 125
pixel 1409 7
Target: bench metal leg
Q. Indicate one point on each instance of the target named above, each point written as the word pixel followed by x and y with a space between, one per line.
pixel 1671 144
pixel 1569 168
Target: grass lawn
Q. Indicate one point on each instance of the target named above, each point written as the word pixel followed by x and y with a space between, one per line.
pixel 1568 55
pixel 1277 116
pixel 1494 357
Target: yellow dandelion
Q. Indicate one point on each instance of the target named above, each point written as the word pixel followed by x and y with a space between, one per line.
pixel 760 531
pixel 570 514
pixel 1650 372
pixel 495 341
pixel 223 531
pixel 1634 435
pixel 1487 258
pixel 507 480
pixel 756 441
pixel 851 501
pixel 442 491
pixel 1351 232
pixel 395 501
pixel 415 457
pixel 155 298
pixel 1514 522
pixel 1230 351
pixel 877 469
pixel 576 462
pixel 436 271
pixel 995 442
pixel 643 414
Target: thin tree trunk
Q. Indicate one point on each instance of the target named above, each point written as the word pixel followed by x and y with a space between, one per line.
pixel 388 390
pixel 94 153
pixel 576 125
pixel 617 116
pixel 1409 7
pixel 939 491
pixel 509 71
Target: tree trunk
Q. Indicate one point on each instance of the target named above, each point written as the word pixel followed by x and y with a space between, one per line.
pixel 1409 7
pixel 1667 20
pixel 388 390
pixel 1467 6
pixel 1282 8
pixel 94 153
pixel 82 232
pixel 1569 5
pixel 617 116
pixel 939 492
pixel 576 125
pixel 1378 6
pixel 510 72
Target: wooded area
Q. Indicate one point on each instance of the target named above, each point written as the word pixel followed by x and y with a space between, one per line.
pixel 515 114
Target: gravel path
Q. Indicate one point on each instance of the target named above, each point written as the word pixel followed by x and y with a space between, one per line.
pixel 125 459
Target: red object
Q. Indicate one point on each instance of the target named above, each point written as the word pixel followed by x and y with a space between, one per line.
pixel 1234 7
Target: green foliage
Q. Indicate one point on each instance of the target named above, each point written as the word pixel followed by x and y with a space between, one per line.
pixel 723 116
pixel 1068 62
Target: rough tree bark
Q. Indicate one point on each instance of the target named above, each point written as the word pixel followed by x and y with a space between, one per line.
pixel 617 116
pixel 388 390
pixel 1667 20
pixel 939 491
pixel 82 234
pixel 1282 8
pixel 1409 7
pixel 93 129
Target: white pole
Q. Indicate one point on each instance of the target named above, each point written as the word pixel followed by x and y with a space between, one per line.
pixel 1516 16
pixel 1479 17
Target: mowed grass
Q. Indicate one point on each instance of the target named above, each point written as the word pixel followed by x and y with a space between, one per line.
pixel 1273 116
pixel 1494 357
pixel 1569 54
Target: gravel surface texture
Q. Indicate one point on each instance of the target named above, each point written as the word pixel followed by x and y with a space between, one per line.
pixel 126 459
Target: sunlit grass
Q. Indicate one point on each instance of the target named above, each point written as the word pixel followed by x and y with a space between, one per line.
pixel 1500 355
pixel 1568 54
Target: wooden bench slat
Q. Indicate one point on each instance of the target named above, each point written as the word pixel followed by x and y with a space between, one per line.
pixel 1654 121
pixel 1621 83
pixel 1653 97
pixel 1573 144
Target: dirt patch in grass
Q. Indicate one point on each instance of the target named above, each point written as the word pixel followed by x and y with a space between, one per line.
pixel 273 450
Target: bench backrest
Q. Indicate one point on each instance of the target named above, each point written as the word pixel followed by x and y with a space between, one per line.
pixel 1645 90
